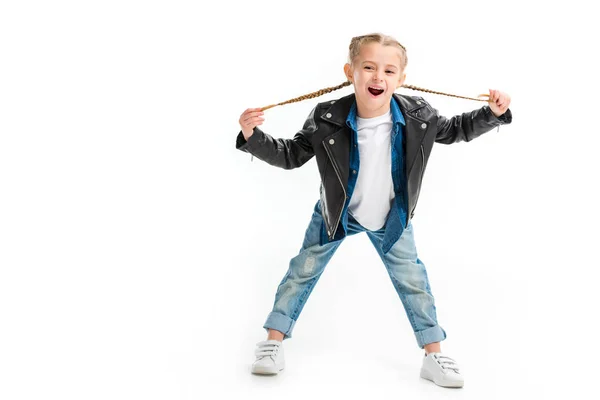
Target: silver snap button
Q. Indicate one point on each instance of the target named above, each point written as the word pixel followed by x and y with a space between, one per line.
pixel 418 102
pixel 331 141
pixel 328 115
pixel 423 125
pixel 353 171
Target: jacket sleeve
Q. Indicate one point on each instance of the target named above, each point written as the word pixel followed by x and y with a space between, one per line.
pixel 282 153
pixel 469 125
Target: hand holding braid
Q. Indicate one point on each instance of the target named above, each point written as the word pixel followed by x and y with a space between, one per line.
pixel 499 102
pixel 249 119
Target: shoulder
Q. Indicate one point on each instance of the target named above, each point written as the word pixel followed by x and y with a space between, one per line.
pixel 410 103
pixel 416 106
pixel 323 105
pixel 335 110
pixel 410 100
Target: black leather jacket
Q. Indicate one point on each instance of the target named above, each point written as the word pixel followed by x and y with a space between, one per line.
pixel 327 121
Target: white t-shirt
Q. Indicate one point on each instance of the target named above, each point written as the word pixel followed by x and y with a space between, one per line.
pixel 373 194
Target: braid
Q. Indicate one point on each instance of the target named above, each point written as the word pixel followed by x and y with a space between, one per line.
pixel 445 94
pixel 309 96
pixel 347 83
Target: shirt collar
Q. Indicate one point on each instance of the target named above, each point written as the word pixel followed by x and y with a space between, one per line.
pixel 397 117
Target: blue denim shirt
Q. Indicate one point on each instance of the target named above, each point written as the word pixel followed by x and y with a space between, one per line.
pixel 396 220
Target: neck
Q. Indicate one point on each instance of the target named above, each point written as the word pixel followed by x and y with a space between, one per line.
pixel 364 112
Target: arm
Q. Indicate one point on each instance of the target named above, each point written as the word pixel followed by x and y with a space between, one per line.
pixel 282 153
pixel 469 125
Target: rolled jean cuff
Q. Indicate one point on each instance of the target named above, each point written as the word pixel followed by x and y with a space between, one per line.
pixel 281 323
pixel 430 335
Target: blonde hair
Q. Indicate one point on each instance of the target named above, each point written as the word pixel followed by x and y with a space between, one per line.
pixel 354 50
pixel 357 42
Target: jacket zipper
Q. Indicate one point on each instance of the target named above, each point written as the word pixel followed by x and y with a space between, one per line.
pixel 420 180
pixel 422 166
pixel 343 188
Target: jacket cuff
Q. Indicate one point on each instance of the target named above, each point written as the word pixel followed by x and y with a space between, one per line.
pixel 248 145
pixel 505 118
pixel 241 143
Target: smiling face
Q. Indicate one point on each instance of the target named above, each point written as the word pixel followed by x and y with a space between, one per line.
pixel 376 74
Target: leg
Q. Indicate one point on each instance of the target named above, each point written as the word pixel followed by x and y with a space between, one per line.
pixel 409 278
pixel 304 271
pixel 433 348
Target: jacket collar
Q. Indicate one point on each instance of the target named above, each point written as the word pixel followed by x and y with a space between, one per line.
pixel 343 111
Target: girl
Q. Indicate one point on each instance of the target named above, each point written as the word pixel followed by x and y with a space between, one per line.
pixel 371 148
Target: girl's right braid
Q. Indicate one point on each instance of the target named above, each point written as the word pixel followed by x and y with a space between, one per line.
pixel 309 96
pixel 347 83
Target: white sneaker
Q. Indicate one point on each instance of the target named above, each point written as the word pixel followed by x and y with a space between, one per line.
pixel 442 370
pixel 269 358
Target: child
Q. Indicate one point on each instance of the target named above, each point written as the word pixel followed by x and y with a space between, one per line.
pixel 388 138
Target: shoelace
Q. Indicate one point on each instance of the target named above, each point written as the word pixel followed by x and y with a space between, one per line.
pixel 447 363
pixel 266 349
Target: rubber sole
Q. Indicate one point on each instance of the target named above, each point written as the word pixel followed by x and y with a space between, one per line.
pixel 266 371
pixel 426 375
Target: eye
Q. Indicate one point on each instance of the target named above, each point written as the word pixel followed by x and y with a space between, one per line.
pixel 390 71
pixel 368 67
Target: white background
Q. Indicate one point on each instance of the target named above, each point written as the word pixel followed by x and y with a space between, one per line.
pixel 140 251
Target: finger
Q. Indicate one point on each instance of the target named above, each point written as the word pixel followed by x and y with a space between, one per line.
pixel 246 114
pixel 252 115
pixel 253 121
pixel 251 111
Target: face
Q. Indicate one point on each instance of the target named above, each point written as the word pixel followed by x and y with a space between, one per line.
pixel 376 74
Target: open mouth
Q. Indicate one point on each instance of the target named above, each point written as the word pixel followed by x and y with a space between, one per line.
pixel 375 92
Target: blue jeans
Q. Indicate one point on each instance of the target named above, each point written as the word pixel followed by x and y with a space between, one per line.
pixel 405 269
